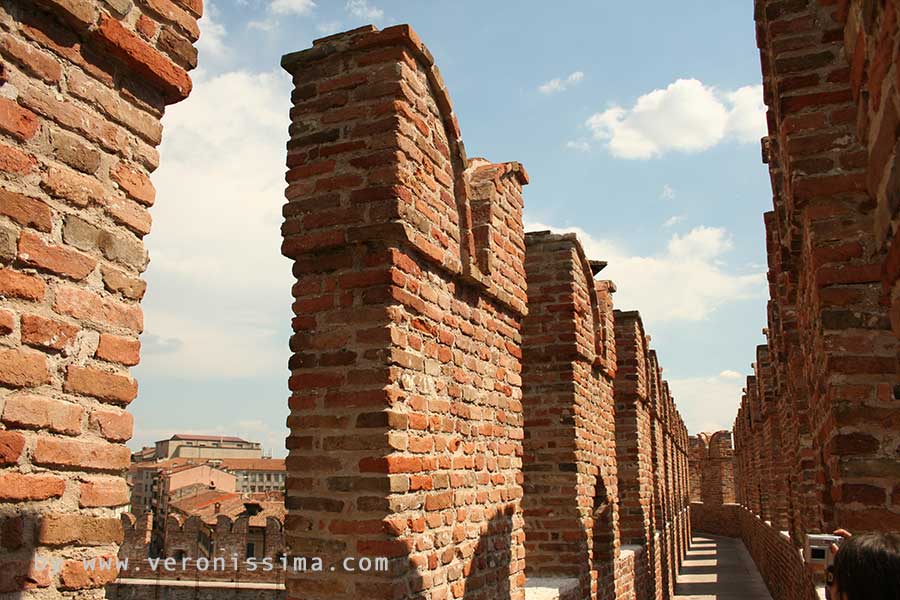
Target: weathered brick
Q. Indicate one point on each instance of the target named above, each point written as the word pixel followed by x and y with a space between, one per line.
pixel 15 161
pixel 12 443
pixel 19 285
pixel 103 491
pixel 117 247
pixel 16 487
pixel 33 411
pixel 118 349
pixel 62 260
pixel 75 528
pixel 17 121
pixel 118 282
pixel 100 384
pixel 135 183
pixel 7 322
pixel 23 368
pixel 114 426
pixel 74 575
pixel 89 306
pixel 47 333
pixel 75 188
pixel 26 211
pixel 75 152
pixel 172 80
pixel 67 452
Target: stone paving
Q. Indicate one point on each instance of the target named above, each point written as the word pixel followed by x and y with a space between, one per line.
pixel 719 568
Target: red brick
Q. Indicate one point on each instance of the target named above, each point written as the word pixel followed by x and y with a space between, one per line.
pixel 107 491
pixel 23 368
pixel 114 426
pixel 16 120
pixel 34 251
pixel 33 60
pixel 67 452
pixel 102 310
pixel 32 411
pixel 26 211
pixel 13 160
pixel 118 349
pixel 47 333
pixel 100 384
pixel 110 102
pixel 20 285
pixel 74 575
pixel 16 487
pixel 70 115
pixel 12 443
pixel 76 528
pixel 128 213
pixel 135 183
pixel 146 26
pixel 17 574
pixel 172 80
pixel 7 322
pixel 172 12
pixel 118 282
pixel 75 188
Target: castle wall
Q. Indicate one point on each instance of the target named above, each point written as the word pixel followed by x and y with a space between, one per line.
pixel 406 413
pixel 84 85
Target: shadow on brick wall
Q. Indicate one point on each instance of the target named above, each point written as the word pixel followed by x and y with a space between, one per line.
pixel 18 572
pixel 487 576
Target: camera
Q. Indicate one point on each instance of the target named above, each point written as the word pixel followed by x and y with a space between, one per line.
pixel 817 550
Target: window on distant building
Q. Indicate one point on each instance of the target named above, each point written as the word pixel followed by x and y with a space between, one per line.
pixel 251 549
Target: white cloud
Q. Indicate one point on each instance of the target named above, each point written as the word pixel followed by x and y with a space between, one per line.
pixel 265 25
pixel 212 35
pixel 328 27
pixel 363 10
pixel 218 300
pixel 667 192
pixel 580 145
pixel 685 282
pixel 707 403
pixel 728 374
pixel 292 7
pixel 674 220
pixel 687 116
pixel 560 85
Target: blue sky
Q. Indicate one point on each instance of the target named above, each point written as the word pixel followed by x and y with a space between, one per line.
pixel 639 124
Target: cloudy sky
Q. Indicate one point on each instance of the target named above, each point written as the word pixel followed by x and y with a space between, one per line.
pixel 639 124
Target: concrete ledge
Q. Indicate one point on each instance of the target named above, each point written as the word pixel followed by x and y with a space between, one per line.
pixel 551 588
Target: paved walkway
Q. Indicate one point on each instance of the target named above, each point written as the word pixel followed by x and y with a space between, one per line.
pixel 719 568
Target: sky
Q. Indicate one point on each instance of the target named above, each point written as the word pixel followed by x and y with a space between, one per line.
pixel 639 124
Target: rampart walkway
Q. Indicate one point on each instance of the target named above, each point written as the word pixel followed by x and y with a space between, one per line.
pixel 720 568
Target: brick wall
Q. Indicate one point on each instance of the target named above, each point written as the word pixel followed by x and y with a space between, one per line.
pixel 406 414
pixel 650 441
pixel 779 562
pixel 712 468
pixel 82 88
pixel 406 407
pixel 569 365
pixel 817 432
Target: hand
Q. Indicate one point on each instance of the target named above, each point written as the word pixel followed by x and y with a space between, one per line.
pixel 842 533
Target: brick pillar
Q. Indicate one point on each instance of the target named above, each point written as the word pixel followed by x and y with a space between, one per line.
pixel 567 383
pixel 832 178
pixel 406 416
pixel 83 88
pixel 633 443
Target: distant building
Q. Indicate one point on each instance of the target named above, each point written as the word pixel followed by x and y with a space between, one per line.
pixel 206 446
pixel 255 474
